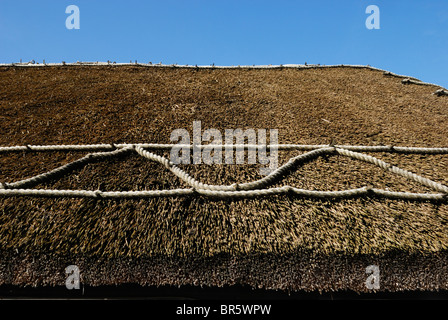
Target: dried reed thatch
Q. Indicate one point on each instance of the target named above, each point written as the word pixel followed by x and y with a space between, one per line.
pixel 279 242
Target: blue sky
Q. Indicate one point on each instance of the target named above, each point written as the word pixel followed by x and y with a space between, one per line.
pixel 412 39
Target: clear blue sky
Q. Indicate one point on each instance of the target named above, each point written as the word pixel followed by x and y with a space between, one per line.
pixel 412 39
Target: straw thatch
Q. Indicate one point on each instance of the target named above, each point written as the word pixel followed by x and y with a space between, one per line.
pixel 277 242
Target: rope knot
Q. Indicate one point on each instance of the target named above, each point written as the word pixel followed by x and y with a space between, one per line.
pixel 391 148
pixel 369 190
pixel 441 92
pixel 98 194
pixel 406 81
pixel 332 144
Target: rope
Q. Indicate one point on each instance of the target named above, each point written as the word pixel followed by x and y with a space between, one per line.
pixel 272 178
pixel 258 188
pixel 311 194
pixel 300 147
pixel 414 81
pixel 404 173
pixel 44 177
pixel 441 92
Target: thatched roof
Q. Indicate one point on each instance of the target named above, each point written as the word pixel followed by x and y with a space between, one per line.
pixel 279 242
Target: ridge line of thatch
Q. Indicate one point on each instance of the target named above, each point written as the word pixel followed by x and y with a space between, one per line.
pixel 213 66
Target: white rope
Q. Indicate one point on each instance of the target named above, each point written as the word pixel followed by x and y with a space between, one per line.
pixel 30 182
pixel 441 92
pixel 302 147
pixel 418 82
pixel 312 194
pixel 244 190
pixel 95 194
pixel 262 183
pixel 404 173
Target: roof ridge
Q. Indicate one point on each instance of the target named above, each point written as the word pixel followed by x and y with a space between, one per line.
pixel 32 63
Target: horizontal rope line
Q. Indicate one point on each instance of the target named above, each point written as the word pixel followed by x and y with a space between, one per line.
pixel 94 194
pixel 313 194
pixel 302 147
